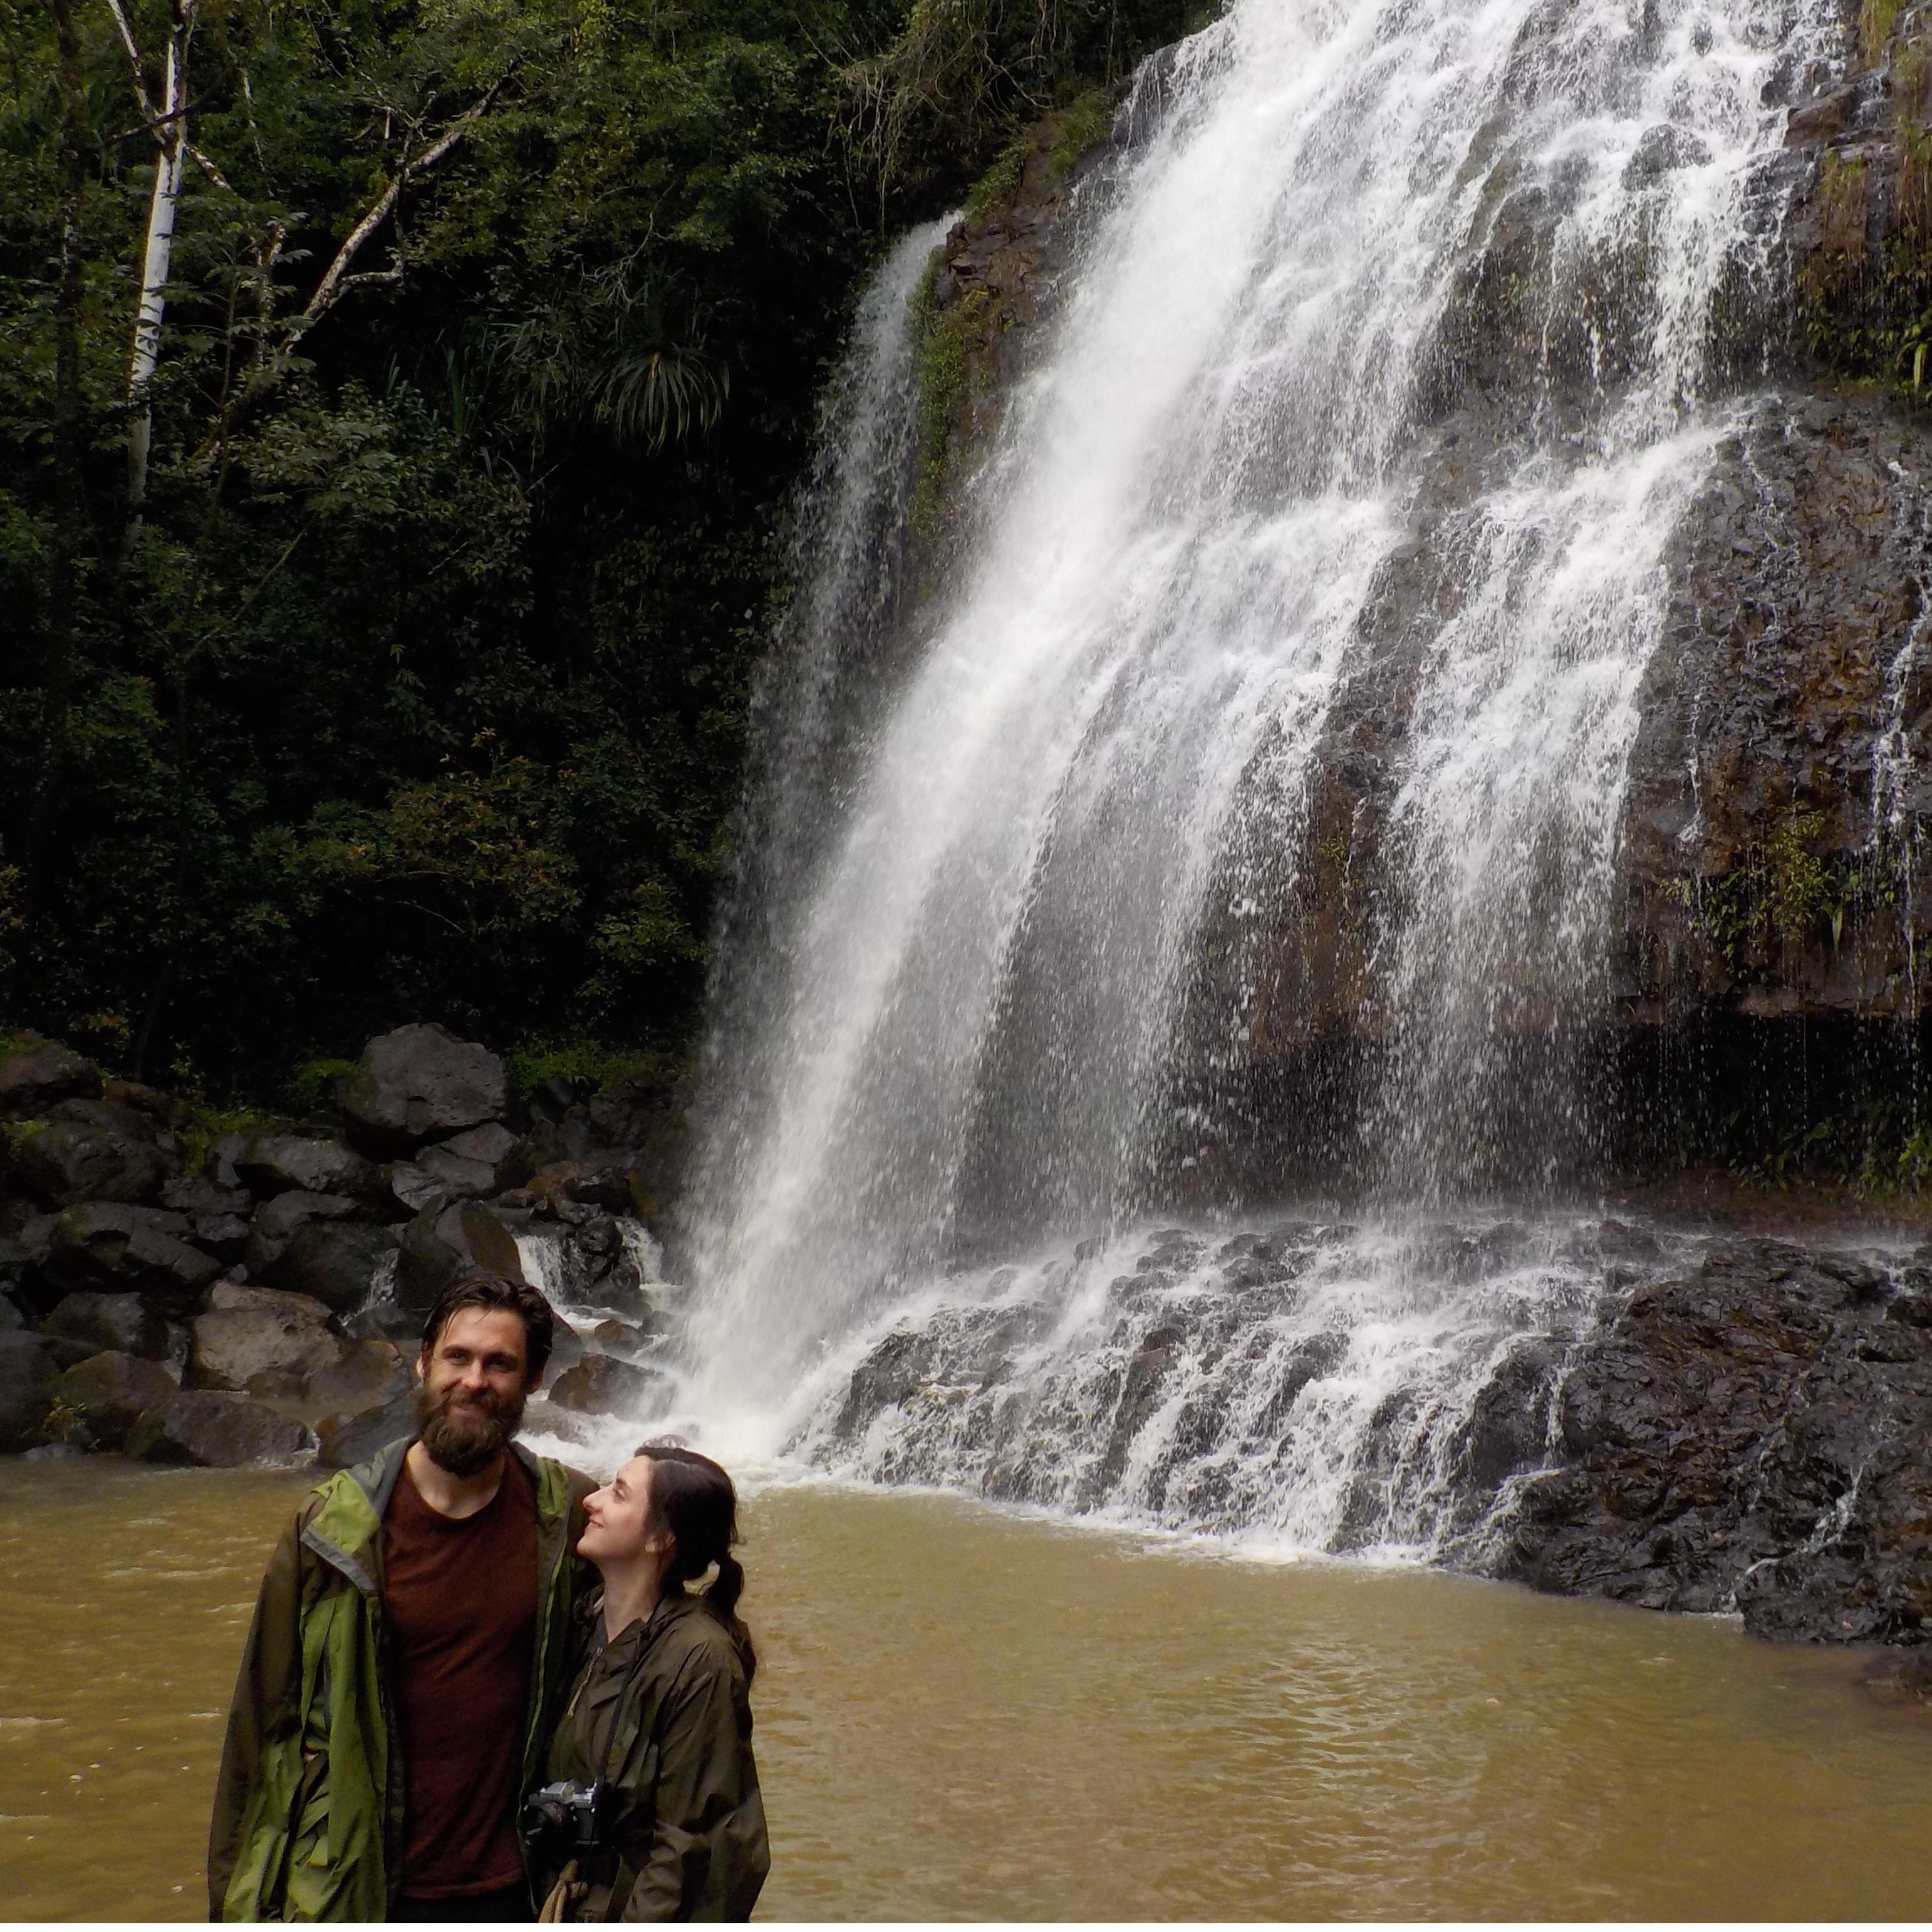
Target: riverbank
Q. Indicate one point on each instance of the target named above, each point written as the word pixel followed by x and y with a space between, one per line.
pixel 961 1713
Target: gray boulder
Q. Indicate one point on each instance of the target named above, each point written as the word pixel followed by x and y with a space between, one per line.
pixel 125 1322
pixel 420 1082
pixel 248 1331
pixel 371 1376
pixel 414 1190
pixel 604 1385
pixel 493 1144
pixel 347 1440
pixel 334 1262
pixel 194 1194
pixel 42 1072
pixel 106 1395
pixel 436 1247
pixel 93 1151
pixel 458 1178
pixel 113 1247
pixel 224 1236
pixel 29 1370
pixel 212 1429
pixel 275 1163
pixel 276 1221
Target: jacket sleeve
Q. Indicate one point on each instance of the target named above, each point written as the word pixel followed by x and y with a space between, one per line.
pixel 706 1857
pixel 266 1693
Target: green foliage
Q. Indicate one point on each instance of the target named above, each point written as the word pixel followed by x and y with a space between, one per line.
pixel 416 685
pixel 1778 900
pixel 586 1060
pixel 313 1085
pixel 943 374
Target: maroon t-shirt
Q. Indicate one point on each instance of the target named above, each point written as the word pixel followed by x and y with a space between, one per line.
pixel 460 1599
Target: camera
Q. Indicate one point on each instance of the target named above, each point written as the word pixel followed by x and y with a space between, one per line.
pixel 564 1821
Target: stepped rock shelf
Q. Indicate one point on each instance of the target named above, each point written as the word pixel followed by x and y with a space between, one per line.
pixel 262 1303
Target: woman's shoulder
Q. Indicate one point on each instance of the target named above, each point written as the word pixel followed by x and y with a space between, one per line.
pixel 699 1638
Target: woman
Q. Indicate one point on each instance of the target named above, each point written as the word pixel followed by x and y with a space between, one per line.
pixel 659 1722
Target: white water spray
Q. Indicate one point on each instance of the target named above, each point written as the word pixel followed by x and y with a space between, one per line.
pixel 1364 235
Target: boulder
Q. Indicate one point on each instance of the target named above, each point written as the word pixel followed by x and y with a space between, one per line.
pixel 414 1190
pixel 224 1236
pixel 492 1143
pixel 371 1376
pixel 347 1440
pixel 126 1323
pixel 247 1331
pixel 336 1263
pixel 458 1178
pixel 92 1150
pixel 277 1163
pixel 604 1385
pixel 219 1165
pixel 630 1339
pixel 106 1395
pixel 194 1194
pixel 436 1247
pixel 276 1221
pixel 40 1073
pixel 420 1082
pixel 113 1247
pixel 212 1429
pixel 29 1370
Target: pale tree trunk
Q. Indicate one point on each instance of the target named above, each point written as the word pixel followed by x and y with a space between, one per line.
pixel 170 126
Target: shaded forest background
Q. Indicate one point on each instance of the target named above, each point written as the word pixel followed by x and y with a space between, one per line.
pixel 385 654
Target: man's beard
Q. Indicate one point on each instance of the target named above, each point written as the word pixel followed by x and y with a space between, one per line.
pixel 466 1440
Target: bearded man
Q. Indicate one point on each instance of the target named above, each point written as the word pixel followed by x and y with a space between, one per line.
pixel 410 1649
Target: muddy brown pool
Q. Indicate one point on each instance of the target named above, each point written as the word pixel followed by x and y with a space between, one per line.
pixel 966 1714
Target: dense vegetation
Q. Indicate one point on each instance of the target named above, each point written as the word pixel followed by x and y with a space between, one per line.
pixel 380 617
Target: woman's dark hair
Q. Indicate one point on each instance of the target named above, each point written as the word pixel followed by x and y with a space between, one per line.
pixel 693 1501
pixel 482 1290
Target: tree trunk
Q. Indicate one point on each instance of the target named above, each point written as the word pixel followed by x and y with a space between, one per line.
pixel 163 204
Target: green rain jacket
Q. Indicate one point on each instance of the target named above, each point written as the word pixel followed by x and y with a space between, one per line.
pixel 661 1715
pixel 308 1806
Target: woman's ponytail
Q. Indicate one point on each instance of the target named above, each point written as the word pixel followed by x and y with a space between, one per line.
pixel 693 1499
pixel 727 1587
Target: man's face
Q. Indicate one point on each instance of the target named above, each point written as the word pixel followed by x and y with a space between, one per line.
pixel 472 1388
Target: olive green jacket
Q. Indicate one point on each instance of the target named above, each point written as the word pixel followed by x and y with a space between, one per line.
pixel 308 1805
pixel 662 1716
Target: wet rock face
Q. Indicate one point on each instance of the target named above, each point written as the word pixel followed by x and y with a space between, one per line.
pixel 1756 1432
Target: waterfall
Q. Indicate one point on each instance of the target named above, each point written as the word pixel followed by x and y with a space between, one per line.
pixel 1397 355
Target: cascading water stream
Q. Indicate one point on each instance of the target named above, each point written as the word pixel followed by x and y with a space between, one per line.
pixel 1395 292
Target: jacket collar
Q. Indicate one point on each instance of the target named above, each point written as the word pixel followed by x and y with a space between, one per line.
pixel 347 1529
pixel 377 1477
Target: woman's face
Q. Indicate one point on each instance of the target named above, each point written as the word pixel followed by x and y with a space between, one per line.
pixel 615 1530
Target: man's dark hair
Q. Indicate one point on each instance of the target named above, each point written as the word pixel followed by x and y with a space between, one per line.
pixel 481 1289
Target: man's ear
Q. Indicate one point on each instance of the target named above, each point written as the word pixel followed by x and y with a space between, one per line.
pixel 421 1366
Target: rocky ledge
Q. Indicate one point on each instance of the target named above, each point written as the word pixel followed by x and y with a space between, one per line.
pixel 1754 1434
pixel 258 1297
